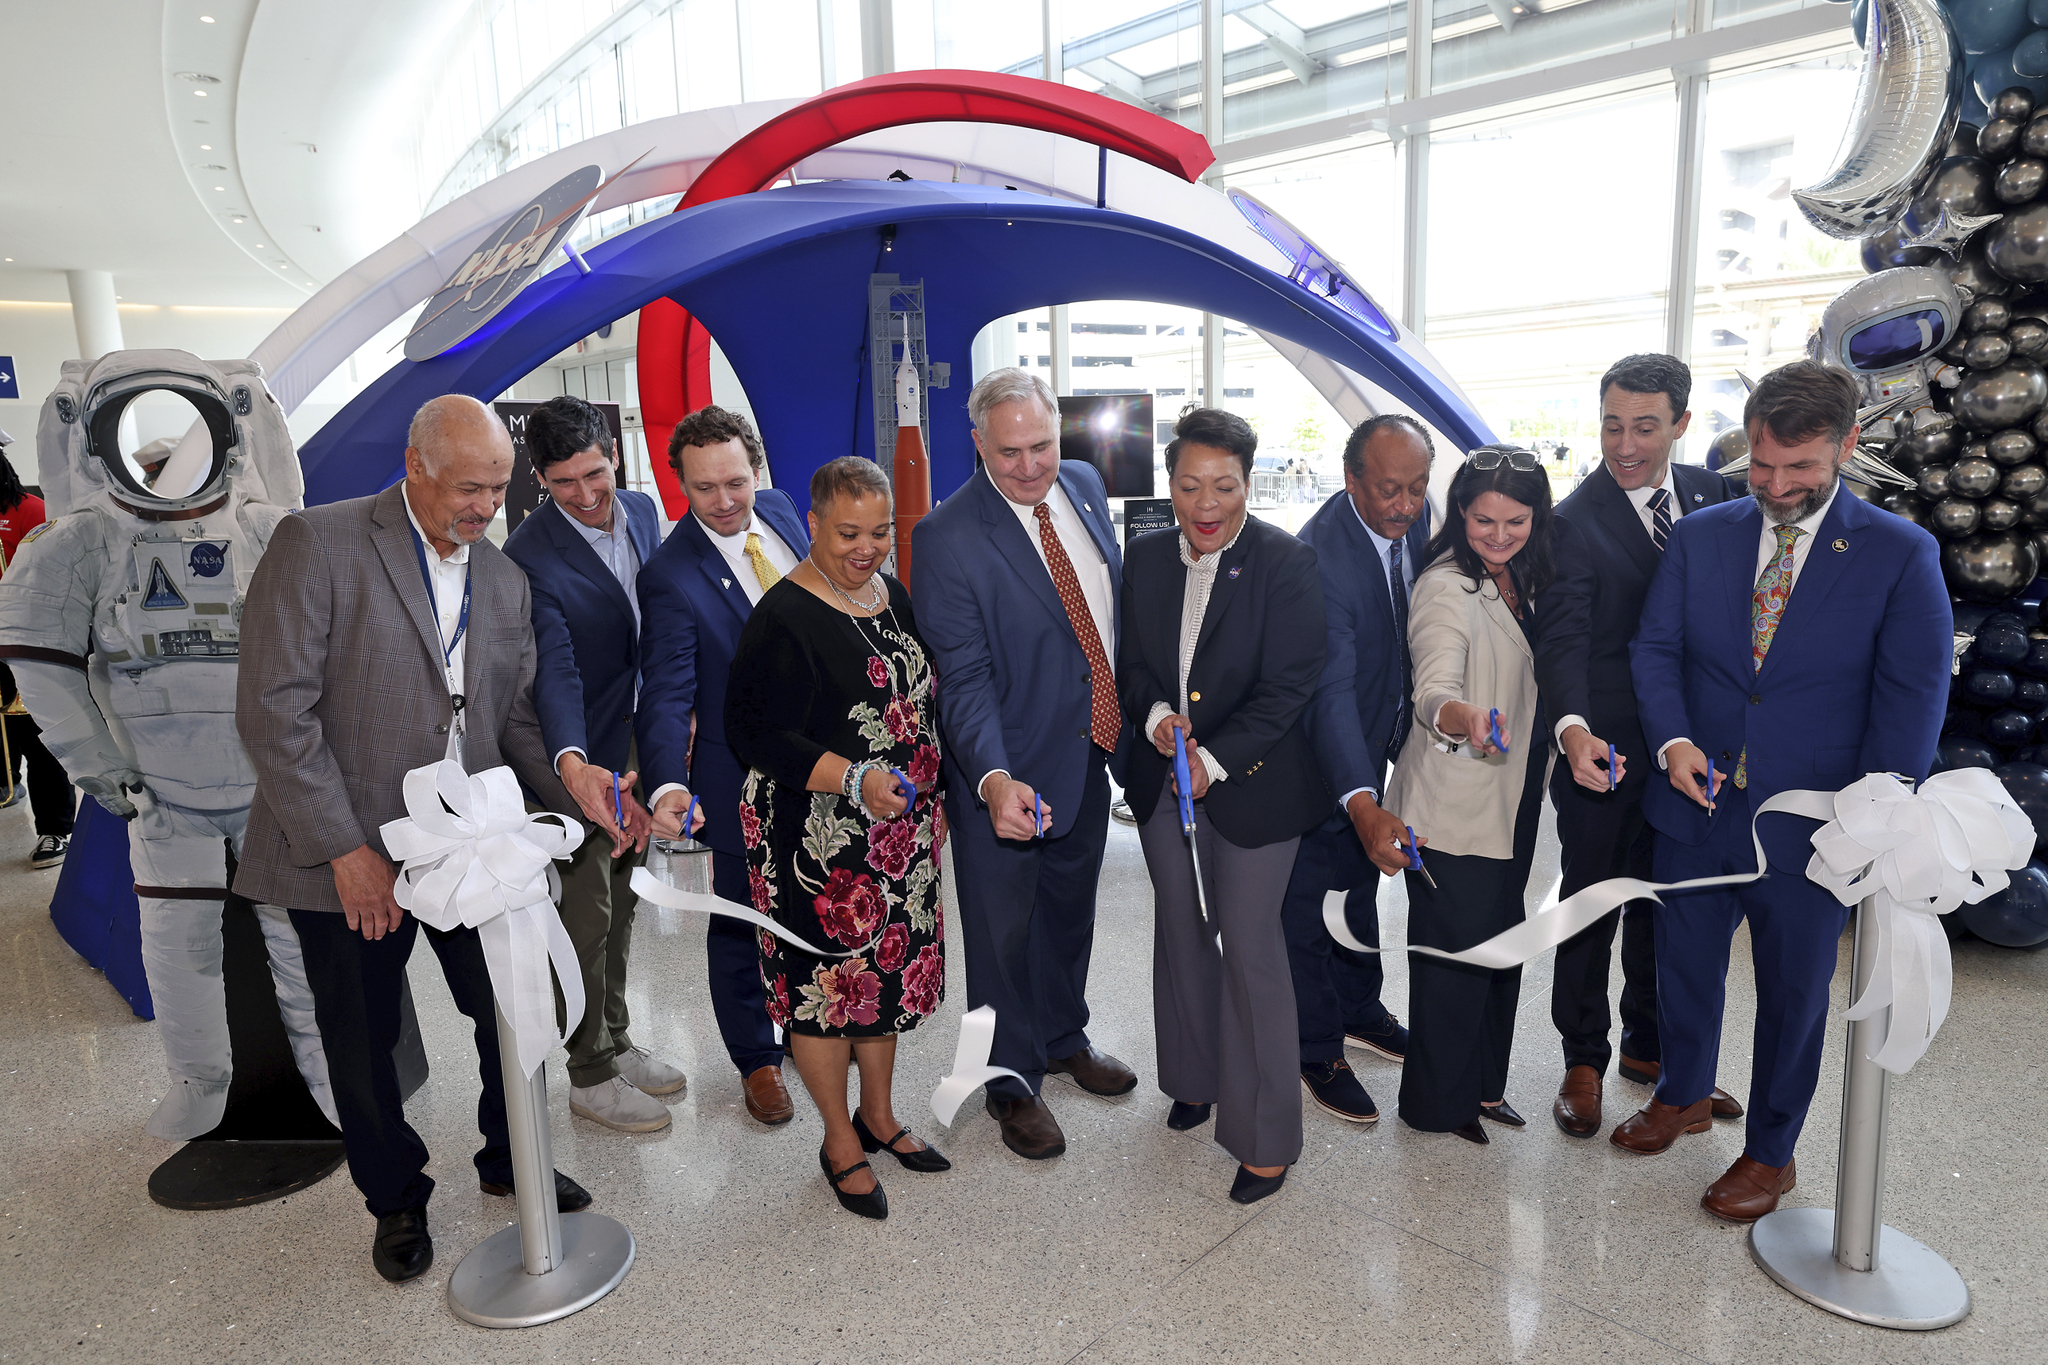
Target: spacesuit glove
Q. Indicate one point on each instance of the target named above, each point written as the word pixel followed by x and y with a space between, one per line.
pixel 112 790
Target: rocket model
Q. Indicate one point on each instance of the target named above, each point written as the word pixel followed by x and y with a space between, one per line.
pixel 912 474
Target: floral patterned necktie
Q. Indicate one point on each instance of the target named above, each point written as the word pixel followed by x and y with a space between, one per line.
pixel 1766 609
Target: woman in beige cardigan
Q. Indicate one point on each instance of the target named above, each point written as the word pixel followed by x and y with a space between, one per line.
pixel 1471 795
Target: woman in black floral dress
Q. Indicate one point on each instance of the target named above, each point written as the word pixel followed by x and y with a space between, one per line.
pixel 831 698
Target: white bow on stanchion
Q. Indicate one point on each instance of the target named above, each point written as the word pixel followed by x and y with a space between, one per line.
pixel 1917 855
pixel 472 856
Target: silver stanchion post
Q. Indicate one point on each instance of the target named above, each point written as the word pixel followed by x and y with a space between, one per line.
pixel 550 1264
pixel 1845 1259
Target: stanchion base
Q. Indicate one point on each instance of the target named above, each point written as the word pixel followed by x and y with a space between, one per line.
pixel 1913 1289
pixel 230 1175
pixel 492 1289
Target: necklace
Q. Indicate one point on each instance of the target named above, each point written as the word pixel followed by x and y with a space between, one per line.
pixel 869 607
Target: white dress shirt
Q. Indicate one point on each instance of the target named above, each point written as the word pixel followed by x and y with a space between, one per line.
pixel 1196 589
pixel 1090 567
pixel 1766 551
pixel 614 545
pixel 446 578
pixel 734 550
pixel 1639 498
pixel 1384 548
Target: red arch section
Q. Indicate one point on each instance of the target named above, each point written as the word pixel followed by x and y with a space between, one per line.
pixel 675 350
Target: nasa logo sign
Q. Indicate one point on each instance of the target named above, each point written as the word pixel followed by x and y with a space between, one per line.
pixel 208 559
pixel 502 265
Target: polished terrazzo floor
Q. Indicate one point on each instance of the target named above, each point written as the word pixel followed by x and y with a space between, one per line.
pixel 1385 1245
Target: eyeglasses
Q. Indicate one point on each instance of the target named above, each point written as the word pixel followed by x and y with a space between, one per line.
pixel 1493 457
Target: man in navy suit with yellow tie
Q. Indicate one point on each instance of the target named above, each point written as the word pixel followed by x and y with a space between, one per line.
pixel 582 550
pixel 1368 541
pixel 738 540
pixel 1794 642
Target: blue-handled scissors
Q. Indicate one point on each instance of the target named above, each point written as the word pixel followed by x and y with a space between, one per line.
pixel 1713 784
pixel 1185 782
pixel 618 806
pixel 1493 731
pixel 1611 782
pixel 689 816
pixel 908 786
pixel 1037 813
pixel 1415 858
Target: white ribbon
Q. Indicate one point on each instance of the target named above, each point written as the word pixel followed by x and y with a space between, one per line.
pixel 970 1064
pixel 472 856
pixel 1916 854
pixel 650 888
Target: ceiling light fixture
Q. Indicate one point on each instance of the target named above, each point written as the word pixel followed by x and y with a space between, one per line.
pixel 206 146
pixel 206 18
pixel 221 188
pixel 200 93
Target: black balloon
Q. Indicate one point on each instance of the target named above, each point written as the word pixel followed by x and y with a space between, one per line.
pixel 1904 502
pixel 1934 480
pixel 2016 917
pixel 1998 514
pixel 2029 694
pixel 2034 137
pixel 1972 269
pixel 1965 185
pixel 2008 729
pixel 2041 547
pixel 1922 444
pixel 2023 482
pixel 1989 686
pixel 2016 246
pixel 1974 477
pixel 2020 179
pixel 1887 250
pixel 1990 566
pixel 1986 350
pixel 2001 642
pixel 1963 141
pixel 2015 102
pixel 2011 447
pixel 2027 785
pixel 1953 517
pixel 2036 662
pixel 2009 396
pixel 1960 751
pixel 2029 336
pixel 1970 617
pixel 2027 753
pixel 1987 315
pixel 1997 139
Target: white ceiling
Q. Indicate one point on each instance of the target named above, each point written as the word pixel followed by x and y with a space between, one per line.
pixel 100 142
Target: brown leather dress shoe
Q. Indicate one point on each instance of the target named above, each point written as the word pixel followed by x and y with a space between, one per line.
pixel 1028 1127
pixel 1655 1126
pixel 1577 1108
pixel 1095 1071
pixel 1726 1106
pixel 1749 1190
pixel 767 1097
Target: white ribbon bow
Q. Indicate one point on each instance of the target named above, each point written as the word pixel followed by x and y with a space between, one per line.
pixel 472 856
pixel 1916 854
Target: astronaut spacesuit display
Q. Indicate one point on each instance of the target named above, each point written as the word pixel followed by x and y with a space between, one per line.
pixel 120 620
pixel 1886 330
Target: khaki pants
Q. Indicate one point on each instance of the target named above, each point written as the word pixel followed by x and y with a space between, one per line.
pixel 597 911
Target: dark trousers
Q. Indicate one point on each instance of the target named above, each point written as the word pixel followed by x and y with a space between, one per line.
pixel 732 957
pixel 1795 929
pixel 1604 835
pixel 1336 990
pixel 49 790
pixel 1027 917
pixel 1461 1019
pixel 356 985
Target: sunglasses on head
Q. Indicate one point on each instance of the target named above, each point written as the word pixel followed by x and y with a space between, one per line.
pixel 1493 457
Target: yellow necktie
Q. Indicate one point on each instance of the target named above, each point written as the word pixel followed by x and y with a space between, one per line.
pixel 764 572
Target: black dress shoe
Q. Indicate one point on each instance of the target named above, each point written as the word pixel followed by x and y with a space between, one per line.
pixel 925 1159
pixel 1182 1117
pixel 1250 1189
pixel 1335 1087
pixel 1390 1040
pixel 1471 1131
pixel 570 1197
pixel 873 1204
pixel 403 1250
pixel 1503 1113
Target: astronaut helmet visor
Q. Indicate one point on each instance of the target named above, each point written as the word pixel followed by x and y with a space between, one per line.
pixel 162 446
pixel 1888 343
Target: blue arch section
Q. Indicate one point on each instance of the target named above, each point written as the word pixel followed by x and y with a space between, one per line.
pixel 781 279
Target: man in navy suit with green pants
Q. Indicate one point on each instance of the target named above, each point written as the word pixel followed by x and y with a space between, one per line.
pixel 1794 641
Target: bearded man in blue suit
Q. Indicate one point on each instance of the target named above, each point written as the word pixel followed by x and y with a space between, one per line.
pixel 1798 640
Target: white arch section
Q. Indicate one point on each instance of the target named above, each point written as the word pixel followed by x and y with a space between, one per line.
pixel 377 291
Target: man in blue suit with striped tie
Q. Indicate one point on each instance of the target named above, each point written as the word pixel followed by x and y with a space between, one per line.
pixel 738 540
pixel 1794 641
pixel 582 551
pixel 1368 541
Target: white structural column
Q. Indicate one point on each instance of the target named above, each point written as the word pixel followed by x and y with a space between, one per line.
pixel 1687 173
pixel 1415 173
pixel 1060 319
pixel 877 37
pixel 94 312
pixel 1212 129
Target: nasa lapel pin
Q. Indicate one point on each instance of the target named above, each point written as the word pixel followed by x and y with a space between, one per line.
pixel 1699 497
pixel 1841 545
pixel 727 582
pixel 1236 569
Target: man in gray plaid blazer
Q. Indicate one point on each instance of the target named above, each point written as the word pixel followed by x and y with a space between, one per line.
pixel 367 621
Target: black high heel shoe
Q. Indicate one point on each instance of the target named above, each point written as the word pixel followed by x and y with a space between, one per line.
pixel 1503 1113
pixel 1182 1117
pixel 1250 1189
pixel 925 1160
pixel 873 1204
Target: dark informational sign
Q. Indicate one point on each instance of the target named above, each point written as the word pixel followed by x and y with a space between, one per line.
pixel 10 387
pixel 525 494
pixel 1146 514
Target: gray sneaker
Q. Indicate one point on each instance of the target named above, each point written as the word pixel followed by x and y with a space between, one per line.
pixel 646 1074
pixel 50 850
pixel 617 1105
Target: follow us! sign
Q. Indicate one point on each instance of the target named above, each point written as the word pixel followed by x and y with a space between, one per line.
pixel 10 386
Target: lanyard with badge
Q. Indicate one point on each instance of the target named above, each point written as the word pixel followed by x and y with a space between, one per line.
pixel 455 697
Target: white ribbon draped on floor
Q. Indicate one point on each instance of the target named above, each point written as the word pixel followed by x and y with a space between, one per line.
pixel 471 855
pixel 1917 854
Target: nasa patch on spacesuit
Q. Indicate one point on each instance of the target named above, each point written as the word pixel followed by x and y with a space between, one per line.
pixel 184 604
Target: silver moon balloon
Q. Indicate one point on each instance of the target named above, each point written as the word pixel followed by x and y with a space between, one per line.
pixel 1907 103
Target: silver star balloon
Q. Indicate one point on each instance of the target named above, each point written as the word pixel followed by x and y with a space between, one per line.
pixel 1949 231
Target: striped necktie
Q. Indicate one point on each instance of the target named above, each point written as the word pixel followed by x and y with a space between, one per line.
pixel 1397 584
pixel 1660 518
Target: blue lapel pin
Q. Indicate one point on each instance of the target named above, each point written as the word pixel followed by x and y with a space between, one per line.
pixel 1236 569
pixel 1699 497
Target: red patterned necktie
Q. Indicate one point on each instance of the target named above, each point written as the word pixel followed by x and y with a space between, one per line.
pixel 1766 609
pixel 1104 718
